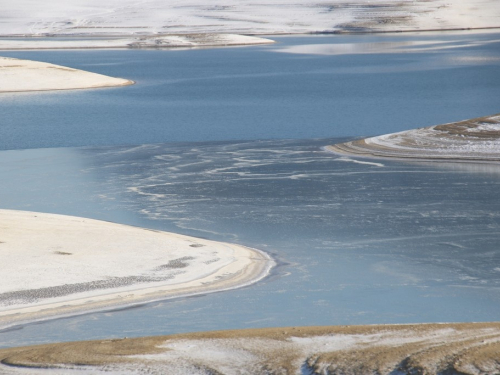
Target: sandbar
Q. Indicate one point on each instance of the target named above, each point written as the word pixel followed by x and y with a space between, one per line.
pixel 475 140
pixel 56 265
pixel 18 75
pixel 453 348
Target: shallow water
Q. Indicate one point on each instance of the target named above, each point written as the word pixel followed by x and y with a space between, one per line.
pixel 357 241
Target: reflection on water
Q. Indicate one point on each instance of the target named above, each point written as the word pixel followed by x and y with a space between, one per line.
pixel 359 241
pixel 395 46
pixel 362 48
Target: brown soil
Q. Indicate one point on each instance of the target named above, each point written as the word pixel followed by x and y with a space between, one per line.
pixel 471 348
pixel 440 142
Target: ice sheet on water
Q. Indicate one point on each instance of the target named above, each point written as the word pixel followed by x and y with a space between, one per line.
pixel 359 243
pixel 278 190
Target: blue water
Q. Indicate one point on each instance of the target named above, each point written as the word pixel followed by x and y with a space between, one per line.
pixel 261 92
pixel 357 242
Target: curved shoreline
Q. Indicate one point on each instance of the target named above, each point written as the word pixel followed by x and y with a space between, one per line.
pixel 70 266
pixel 472 141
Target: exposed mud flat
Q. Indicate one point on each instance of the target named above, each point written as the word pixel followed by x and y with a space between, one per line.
pixel 469 348
pixel 474 140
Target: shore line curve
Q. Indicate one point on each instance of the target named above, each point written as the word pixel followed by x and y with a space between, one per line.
pixel 474 141
pixel 63 265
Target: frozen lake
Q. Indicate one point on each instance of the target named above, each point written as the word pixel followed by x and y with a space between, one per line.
pixel 357 242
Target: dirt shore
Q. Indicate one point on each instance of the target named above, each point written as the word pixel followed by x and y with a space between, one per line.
pixel 468 348
pixel 474 140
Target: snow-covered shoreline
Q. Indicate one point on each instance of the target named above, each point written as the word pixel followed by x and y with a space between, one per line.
pixel 159 18
pixel 25 75
pixel 168 41
pixel 467 348
pixel 63 265
pixel 18 75
pixel 475 140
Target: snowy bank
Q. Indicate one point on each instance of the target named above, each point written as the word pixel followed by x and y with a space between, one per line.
pixel 159 17
pixel 26 75
pixel 169 41
pixel 60 265
pixel 470 348
pixel 474 140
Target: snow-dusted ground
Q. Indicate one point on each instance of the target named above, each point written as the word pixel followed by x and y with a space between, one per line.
pixel 26 75
pixel 147 17
pixel 469 140
pixel 169 41
pixel 54 264
pixel 399 349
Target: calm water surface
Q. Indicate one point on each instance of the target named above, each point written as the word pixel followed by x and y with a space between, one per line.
pixel 301 87
pixel 357 241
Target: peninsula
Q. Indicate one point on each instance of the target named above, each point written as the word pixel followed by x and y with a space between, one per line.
pixel 62 265
pixel 475 140
pixel 25 75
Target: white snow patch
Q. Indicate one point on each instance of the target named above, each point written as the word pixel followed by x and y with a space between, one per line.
pixel 169 41
pixel 485 127
pixel 344 158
